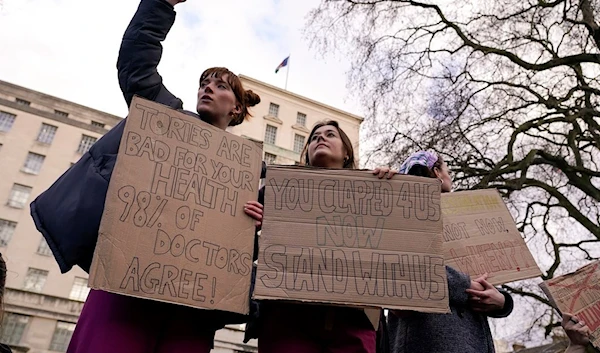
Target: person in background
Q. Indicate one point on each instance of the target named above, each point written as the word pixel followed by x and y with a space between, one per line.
pixel 578 333
pixel 68 214
pixel 308 328
pixel 3 348
pixel 472 301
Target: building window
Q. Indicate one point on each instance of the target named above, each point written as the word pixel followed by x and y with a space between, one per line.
pixel 98 124
pixel 46 134
pixel 270 134
pixel 35 279
pixel 43 248
pixel 301 119
pixel 62 336
pixel 61 113
pixel 85 143
pixel 270 158
pixel 33 163
pixel 19 195
pixel 7 229
pixel 13 326
pixel 80 290
pixel 273 109
pixel 23 102
pixel 6 121
pixel 298 143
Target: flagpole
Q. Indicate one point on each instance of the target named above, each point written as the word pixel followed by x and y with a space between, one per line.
pixel 287 73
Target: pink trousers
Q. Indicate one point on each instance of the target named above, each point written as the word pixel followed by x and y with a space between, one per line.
pixel 303 328
pixel 120 324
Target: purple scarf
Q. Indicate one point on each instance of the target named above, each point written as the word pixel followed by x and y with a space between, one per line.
pixel 424 158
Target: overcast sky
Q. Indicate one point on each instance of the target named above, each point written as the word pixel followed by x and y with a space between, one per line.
pixel 69 48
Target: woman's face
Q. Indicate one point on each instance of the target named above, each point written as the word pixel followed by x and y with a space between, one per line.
pixel 443 173
pixel 326 149
pixel 216 101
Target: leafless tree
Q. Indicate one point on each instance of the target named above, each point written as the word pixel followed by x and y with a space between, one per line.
pixel 506 91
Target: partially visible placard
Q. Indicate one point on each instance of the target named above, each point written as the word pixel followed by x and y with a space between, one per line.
pixel 480 236
pixel 578 293
pixel 347 237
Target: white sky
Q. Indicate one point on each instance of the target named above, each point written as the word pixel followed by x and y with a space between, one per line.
pixel 69 48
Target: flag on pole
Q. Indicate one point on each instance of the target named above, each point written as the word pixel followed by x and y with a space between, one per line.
pixel 283 64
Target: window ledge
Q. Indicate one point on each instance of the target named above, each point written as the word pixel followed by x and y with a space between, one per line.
pixel 300 128
pixel 18 347
pixel 26 171
pixel 78 299
pixel 273 119
pixel 42 143
pixel 11 205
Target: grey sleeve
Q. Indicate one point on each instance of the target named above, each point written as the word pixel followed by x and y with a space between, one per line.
pixel 458 282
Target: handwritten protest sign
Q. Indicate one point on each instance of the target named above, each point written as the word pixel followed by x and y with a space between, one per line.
pixel 173 227
pixel 346 237
pixel 480 236
pixel 578 293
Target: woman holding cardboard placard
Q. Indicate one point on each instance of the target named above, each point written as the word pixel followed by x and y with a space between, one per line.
pixel 308 328
pixel 466 329
pixel 69 212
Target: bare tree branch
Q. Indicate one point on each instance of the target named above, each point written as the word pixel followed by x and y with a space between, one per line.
pixel 507 92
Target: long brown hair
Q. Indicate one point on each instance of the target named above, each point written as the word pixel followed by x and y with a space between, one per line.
pixel 246 98
pixel 349 163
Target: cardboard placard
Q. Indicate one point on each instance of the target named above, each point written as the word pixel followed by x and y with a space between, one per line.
pixel 174 227
pixel 347 237
pixel 480 236
pixel 578 293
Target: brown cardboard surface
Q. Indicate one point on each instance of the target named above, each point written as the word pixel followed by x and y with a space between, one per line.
pixel 480 236
pixel 174 227
pixel 578 293
pixel 346 237
pixel 551 301
pixel 373 314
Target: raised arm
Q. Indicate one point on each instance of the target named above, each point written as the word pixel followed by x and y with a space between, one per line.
pixel 141 51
